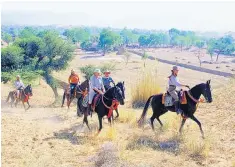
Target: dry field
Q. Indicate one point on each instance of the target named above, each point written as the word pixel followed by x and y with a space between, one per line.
pixel 47 137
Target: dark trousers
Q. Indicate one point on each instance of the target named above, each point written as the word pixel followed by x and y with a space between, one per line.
pixel 72 88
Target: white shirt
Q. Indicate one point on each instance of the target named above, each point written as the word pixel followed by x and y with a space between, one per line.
pixel 173 80
pixel 19 84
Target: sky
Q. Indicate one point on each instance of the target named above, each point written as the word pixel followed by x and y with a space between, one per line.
pixel 196 16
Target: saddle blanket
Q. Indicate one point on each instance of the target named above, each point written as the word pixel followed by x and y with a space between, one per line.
pixel 167 100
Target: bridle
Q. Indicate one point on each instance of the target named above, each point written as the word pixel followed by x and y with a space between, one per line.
pixel 199 100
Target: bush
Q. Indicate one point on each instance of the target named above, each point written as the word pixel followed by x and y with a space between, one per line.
pixel 145 87
pixel 26 76
pixel 88 70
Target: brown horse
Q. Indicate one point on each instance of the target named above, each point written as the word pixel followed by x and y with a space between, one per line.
pixel 24 95
pixel 80 90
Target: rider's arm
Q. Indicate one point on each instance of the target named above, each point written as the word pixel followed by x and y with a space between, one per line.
pixel 69 79
pixel 92 80
pixel 111 79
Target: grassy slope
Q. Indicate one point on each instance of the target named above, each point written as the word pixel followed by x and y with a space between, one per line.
pixel 55 137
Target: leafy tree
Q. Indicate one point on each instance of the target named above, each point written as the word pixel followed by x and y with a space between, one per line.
pixel 145 57
pixel 200 44
pixel 108 40
pixel 86 45
pixel 128 36
pixel 12 58
pixel 56 54
pixel 7 37
pixel 32 48
pixel 28 32
pixel 144 40
pixel 224 45
pixel 77 34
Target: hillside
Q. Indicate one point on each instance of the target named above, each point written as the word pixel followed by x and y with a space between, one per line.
pixel 46 136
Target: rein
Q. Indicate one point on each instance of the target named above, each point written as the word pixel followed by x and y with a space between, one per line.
pixel 113 106
pixel 195 100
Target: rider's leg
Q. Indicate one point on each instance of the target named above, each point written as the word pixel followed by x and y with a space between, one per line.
pixel 91 96
pixel 18 94
pixel 176 102
pixel 72 88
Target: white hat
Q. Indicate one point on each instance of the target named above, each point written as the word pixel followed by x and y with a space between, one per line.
pixel 17 76
pixel 175 68
pixel 97 70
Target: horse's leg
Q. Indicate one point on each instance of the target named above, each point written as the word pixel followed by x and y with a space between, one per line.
pixel 117 113
pixel 24 105
pixel 159 121
pixel 110 122
pixel 100 123
pixel 182 124
pixel 79 113
pixel 85 120
pixel 62 105
pixel 199 124
pixel 28 105
pixel 152 120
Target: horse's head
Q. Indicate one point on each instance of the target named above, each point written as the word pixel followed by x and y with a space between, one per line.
pixel 206 91
pixel 122 87
pixel 118 94
pixel 28 90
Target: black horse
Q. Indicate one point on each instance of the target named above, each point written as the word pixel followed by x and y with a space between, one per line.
pixel 122 87
pixel 192 96
pixel 105 102
pixel 24 94
pixel 80 91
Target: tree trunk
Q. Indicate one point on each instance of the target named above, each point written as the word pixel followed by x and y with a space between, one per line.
pixel 217 57
pixel 54 88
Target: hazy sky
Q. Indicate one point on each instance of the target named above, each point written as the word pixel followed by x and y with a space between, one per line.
pixel 218 16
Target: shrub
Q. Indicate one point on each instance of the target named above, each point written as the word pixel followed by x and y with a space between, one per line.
pixel 145 87
pixel 89 69
pixel 27 76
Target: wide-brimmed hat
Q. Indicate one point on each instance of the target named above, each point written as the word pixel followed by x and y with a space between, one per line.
pixel 107 71
pixel 17 76
pixel 175 68
pixel 97 71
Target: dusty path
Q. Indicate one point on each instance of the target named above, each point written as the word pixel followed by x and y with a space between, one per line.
pixel 44 136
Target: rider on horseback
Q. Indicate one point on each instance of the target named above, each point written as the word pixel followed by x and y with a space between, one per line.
pixel 173 85
pixel 73 81
pixel 107 80
pixel 96 86
pixel 19 85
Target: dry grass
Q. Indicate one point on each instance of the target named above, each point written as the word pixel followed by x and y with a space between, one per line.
pixel 146 86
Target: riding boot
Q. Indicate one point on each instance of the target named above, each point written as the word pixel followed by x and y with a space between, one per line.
pixel 177 107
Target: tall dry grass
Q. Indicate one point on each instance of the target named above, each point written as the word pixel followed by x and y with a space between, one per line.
pixel 146 86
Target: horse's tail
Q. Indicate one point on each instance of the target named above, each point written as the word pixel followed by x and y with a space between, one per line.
pixel 63 100
pixel 141 120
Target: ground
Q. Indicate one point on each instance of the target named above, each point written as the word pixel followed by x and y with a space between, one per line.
pixel 54 136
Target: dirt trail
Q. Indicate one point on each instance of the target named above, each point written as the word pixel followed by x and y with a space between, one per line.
pixel 44 136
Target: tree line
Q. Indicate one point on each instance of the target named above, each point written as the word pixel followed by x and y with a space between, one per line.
pixel 41 50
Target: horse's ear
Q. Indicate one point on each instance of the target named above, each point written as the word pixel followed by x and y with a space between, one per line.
pixel 208 82
pixel 123 82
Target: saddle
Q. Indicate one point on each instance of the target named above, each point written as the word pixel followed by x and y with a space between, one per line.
pixel 167 100
pixel 95 101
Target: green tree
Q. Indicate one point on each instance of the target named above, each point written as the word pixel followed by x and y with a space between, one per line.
pixel 108 40
pixel 144 40
pixel 28 32
pixel 224 45
pixel 32 49
pixel 56 54
pixel 77 34
pixel 128 36
pixel 7 37
pixel 12 58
